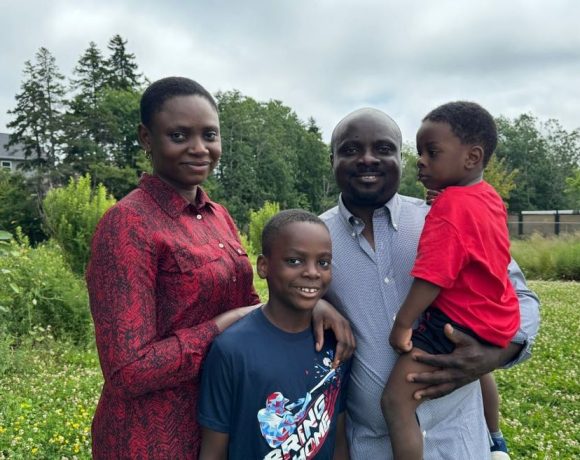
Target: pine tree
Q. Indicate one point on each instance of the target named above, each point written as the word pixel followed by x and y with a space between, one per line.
pixel 122 66
pixel 85 130
pixel 38 113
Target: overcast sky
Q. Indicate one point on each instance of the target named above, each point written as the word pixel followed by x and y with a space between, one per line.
pixel 324 58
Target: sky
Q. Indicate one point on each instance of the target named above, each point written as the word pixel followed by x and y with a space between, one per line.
pixel 324 58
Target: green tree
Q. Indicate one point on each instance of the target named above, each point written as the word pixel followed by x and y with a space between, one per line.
pixel 258 220
pixel 573 189
pixel 123 69
pixel 235 183
pixel 544 154
pixel 497 174
pixel 85 130
pixel 71 215
pixel 268 155
pixel 118 110
pixel 410 186
pixel 37 125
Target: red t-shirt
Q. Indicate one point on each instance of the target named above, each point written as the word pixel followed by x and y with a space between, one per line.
pixel 161 269
pixel 464 249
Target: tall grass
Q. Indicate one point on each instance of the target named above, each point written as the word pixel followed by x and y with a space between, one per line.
pixel 549 258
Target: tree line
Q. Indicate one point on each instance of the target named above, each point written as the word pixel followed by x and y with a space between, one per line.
pixel 87 124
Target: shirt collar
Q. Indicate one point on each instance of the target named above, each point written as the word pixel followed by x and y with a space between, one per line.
pixel 167 197
pixel 392 209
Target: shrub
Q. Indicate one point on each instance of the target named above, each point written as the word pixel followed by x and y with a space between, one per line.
pixel 549 258
pixel 19 206
pixel 38 289
pixel 71 215
pixel 257 221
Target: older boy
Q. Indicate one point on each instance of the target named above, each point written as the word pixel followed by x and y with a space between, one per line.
pixel 266 393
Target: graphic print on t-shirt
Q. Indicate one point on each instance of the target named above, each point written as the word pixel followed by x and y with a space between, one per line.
pixel 298 429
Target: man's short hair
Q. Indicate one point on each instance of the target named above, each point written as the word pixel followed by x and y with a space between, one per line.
pixel 282 219
pixel 160 91
pixel 470 122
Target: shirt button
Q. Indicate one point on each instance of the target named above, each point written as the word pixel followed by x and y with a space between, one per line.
pixel 239 252
pixel 387 280
pixel 353 234
pixel 221 245
pixel 198 217
pixel 395 226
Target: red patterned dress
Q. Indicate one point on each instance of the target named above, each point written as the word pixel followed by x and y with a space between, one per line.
pixel 161 269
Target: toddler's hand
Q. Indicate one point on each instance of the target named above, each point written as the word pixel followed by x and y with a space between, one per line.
pixel 400 338
pixel 430 196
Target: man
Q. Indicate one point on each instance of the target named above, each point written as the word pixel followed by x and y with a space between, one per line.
pixel 374 233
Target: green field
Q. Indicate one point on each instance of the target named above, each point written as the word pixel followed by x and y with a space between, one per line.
pixel 48 392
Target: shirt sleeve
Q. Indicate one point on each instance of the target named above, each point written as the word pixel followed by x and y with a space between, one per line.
pixel 441 254
pixel 121 278
pixel 217 393
pixel 529 313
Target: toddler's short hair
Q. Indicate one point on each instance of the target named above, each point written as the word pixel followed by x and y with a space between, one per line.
pixel 470 122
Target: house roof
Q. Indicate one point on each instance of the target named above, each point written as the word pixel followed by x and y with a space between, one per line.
pixel 15 152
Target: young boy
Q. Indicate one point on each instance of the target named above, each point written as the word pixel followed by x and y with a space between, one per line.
pixel 461 267
pixel 266 392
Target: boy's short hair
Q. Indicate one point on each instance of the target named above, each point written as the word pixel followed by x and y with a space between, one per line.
pixel 281 220
pixel 470 122
pixel 160 91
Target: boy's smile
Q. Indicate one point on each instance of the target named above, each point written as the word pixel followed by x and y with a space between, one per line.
pixel 298 270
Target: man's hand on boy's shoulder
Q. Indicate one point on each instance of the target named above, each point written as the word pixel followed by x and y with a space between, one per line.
pixel 326 317
pixel 468 362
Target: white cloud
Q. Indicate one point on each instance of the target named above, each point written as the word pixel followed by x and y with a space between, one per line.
pixel 325 58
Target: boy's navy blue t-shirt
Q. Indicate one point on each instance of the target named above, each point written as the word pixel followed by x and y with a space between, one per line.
pixel 270 390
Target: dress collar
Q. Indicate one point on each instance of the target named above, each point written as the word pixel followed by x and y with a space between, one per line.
pixel 167 197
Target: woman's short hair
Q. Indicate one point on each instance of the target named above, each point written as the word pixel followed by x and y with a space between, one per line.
pixel 160 91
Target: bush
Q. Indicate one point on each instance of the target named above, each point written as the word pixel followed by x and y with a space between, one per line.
pixel 19 206
pixel 257 221
pixel 39 290
pixel 71 215
pixel 549 258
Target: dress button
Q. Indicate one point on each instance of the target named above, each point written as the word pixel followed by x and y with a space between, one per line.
pixel 240 251
pixel 198 217
pixel 221 245
pixel 234 279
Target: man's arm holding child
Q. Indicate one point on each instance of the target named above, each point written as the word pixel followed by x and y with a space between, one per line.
pixel 472 359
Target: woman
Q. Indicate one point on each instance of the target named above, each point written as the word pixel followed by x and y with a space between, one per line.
pixel 166 276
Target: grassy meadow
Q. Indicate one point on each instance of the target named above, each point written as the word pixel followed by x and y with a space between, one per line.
pixel 48 390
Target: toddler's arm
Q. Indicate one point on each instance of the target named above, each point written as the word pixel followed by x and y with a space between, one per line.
pixel 421 295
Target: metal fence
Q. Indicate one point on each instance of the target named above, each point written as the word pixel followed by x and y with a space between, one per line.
pixel 544 222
